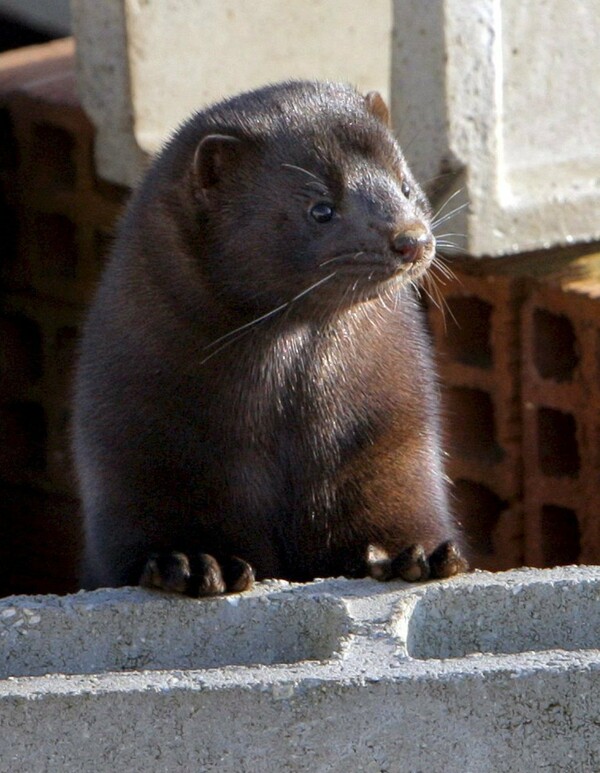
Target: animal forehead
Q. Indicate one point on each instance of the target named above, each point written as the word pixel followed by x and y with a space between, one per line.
pixel 340 146
pixel 344 167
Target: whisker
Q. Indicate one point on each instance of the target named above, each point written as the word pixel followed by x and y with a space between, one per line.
pixel 448 235
pixel 452 247
pixel 318 186
pixel 437 298
pixel 440 262
pixel 262 317
pixel 340 257
pixel 442 268
pixel 226 343
pixel 446 217
pixel 445 204
pixel 305 171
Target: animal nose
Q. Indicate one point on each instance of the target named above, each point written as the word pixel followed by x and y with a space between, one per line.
pixel 410 247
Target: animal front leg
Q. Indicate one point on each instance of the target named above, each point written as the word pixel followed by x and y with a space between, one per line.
pixel 196 575
pixel 414 565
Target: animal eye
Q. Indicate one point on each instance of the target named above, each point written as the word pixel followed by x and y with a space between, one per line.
pixel 322 212
pixel 405 188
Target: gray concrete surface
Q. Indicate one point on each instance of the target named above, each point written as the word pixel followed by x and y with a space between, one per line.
pixel 481 673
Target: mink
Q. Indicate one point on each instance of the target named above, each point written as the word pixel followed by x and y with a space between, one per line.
pixel 256 395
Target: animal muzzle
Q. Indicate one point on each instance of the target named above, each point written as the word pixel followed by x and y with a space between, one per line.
pixel 412 245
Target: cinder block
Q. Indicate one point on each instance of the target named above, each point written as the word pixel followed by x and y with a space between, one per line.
pixel 335 675
pixel 234 45
pixel 476 333
pixel 561 415
pixel 471 101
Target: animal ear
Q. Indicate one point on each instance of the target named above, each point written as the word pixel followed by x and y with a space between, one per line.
pixel 378 108
pixel 215 155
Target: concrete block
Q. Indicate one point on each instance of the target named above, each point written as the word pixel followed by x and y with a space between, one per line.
pixel 486 672
pixel 144 68
pixel 485 88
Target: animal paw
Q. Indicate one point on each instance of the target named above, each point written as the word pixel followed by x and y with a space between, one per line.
pixel 414 565
pixel 199 575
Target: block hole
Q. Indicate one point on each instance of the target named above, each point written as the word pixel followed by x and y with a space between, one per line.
pixel 23 432
pixel 469 331
pixel 9 152
pixel 557 443
pixel 477 509
pixel 472 426
pixel 554 345
pixel 116 194
pixel 103 242
pixel 56 242
pixel 65 347
pixel 20 352
pixel 53 156
pixel 560 535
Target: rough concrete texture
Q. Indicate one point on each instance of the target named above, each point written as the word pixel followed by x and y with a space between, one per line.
pixel 471 83
pixel 132 54
pixel 485 672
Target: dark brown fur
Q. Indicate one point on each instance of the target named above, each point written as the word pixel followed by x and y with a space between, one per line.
pixel 301 440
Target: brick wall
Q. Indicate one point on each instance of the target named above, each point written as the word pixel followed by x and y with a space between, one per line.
pixel 560 339
pixel 519 353
pixel 476 332
pixel 56 218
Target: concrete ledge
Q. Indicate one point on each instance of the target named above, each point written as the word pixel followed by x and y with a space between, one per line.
pixel 486 672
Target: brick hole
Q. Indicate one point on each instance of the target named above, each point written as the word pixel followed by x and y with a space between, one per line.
pixel 469 331
pixel 8 238
pixel 65 347
pixel 554 345
pixel 560 535
pixel 103 242
pixel 9 152
pixel 44 538
pixel 557 443
pixel 20 352
pixel 472 432
pixel 23 436
pixel 56 242
pixel 478 510
pixel 53 156
pixel 116 194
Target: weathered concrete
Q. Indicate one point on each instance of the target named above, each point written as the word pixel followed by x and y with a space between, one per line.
pixel 481 92
pixel 485 672
pixel 486 92
pixel 146 66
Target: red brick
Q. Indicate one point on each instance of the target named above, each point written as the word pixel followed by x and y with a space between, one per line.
pixel 561 415
pixel 477 339
pixel 60 204
pixel 57 219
